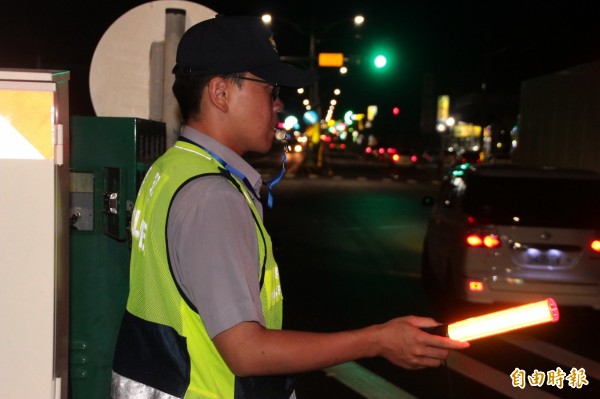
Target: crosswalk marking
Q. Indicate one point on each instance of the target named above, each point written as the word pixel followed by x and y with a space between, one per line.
pixel 493 378
pixel 366 383
pixel 555 353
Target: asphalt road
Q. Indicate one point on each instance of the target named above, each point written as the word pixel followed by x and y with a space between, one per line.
pixel 349 246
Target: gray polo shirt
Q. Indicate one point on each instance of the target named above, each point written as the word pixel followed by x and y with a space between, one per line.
pixel 213 245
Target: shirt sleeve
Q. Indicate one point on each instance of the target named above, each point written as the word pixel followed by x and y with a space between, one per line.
pixel 213 251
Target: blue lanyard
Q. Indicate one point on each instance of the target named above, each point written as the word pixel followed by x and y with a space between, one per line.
pixel 270 184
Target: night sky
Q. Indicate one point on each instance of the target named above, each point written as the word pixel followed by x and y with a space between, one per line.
pixel 460 44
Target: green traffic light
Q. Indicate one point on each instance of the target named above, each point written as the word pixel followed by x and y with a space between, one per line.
pixel 380 61
pixel 382 58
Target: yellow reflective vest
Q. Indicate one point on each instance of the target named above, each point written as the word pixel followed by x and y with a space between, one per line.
pixel 163 349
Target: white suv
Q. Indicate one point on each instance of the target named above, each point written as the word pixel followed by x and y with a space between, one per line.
pixel 514 234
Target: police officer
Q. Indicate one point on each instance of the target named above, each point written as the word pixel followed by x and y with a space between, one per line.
pixel 204 312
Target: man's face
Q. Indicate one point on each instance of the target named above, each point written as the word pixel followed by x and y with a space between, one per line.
pixel 255 115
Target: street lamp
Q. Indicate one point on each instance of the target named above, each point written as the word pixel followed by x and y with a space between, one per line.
pixel 267 18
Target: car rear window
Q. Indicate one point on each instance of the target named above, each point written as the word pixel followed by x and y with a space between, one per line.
pixel 549 202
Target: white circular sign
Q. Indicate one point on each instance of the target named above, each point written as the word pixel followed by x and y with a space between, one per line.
pixel 120 69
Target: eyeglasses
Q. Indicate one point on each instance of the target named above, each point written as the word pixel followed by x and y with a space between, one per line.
pixel 274 92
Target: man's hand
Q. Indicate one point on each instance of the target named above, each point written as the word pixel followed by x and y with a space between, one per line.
pixel 406 345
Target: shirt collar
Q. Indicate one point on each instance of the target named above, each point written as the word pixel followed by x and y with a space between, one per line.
pixel 226 153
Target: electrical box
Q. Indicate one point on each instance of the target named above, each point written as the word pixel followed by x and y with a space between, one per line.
pixel 109 159
pixel 34 233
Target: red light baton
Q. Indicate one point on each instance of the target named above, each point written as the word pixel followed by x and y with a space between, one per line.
pixel 503 321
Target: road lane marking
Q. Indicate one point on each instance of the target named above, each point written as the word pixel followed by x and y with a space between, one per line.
pixel 366 383
pixel 493 378
pixel 555 353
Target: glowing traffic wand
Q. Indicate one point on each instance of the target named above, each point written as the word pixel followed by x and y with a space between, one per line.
pixel 503 321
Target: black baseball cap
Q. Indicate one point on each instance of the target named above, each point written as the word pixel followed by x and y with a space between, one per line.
pixel 235 44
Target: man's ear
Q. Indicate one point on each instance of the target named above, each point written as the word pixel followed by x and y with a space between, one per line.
pixel 218 92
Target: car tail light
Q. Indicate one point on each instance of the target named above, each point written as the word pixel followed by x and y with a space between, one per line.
pixel 483 240
pixel 595 245
pixel 474 240
pixel 475 285
pixel 491 241
pixel 414 159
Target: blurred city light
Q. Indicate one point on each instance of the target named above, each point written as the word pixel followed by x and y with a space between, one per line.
pixel 290 122
pixel 348 117
pixel 310 117
pixel 371 112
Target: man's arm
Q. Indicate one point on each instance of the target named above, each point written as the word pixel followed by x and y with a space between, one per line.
pixel 250 349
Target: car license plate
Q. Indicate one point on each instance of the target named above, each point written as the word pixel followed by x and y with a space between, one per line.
pixel 550 257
